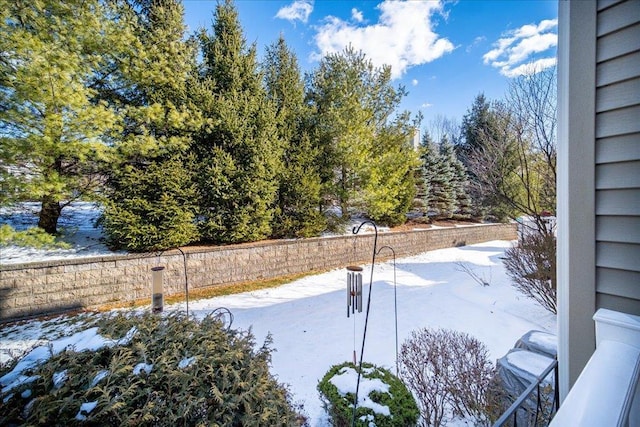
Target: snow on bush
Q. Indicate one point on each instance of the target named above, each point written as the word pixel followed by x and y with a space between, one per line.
pixel 383 400
pixel 166 371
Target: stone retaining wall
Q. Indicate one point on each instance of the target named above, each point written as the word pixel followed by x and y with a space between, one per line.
pixel 58 286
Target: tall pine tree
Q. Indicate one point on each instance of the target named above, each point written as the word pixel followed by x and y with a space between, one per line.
pixel 150 198
pixel 299 186
pixel 239 152
pixel 442 186
pixel 459 182
pixel 491 156
pixel 480 127
pixel 353 123
pixel 51 123
pixel 429 157
pixel 445 179
pixel 389 185
pixel 478 124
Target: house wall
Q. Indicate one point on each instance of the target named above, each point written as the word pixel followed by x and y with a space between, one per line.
pixel 37 288
pixel 598 171
pixel 617 156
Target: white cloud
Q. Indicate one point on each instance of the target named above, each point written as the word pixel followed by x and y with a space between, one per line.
pixel 478 40
pixel 403 36
pixel 426 105
pixel 356 15
pixel 298 10
pixel 518 52
pixel 529 68
pixel 414 82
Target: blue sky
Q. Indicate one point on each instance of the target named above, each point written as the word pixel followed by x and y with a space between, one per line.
pixel 443 52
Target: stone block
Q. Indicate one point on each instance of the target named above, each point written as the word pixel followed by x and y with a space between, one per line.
pixel 56 269
pixel 88 275
pixel 54 278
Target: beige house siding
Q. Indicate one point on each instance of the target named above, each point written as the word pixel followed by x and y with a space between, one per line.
pixel 598 171
pixel 617 156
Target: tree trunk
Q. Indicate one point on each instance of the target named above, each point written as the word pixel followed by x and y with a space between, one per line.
pixel 49 214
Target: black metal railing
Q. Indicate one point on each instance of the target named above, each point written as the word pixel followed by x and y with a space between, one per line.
pixel 542 415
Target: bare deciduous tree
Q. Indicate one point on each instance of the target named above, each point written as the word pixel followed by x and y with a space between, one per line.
pixel 441 126
pixel 515 164
pixel 514 168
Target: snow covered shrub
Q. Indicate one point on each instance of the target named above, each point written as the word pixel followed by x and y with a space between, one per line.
pixel 383 400
pixel 531 264
pixel 449 373
pixel 169 371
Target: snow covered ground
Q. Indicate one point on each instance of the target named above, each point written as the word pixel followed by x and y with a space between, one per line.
pixel 311 332
pixel 77 227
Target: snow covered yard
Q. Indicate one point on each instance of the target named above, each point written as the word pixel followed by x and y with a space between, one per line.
pixel 79 230
pixel 76 225
pixel 311 332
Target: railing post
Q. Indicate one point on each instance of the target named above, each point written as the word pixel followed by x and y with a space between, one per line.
pixel 519 402
pixel 556 391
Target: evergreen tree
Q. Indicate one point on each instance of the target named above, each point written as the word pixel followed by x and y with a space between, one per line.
pixel 459 182
pixel 507 172
pixel 482 128
pixel 464 206
pixel 443 183
pixel 51 124
pixel 353 103
pixel 477 125
pixel 338 94
pixel 238 152
pixel 299 191
pixel 152 208
pixel 389 184
pixel 149 203
pixel 429 166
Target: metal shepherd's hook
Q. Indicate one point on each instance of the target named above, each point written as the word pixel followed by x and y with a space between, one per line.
pixel 186 276
pixel 395 299
pixel 366 319
pixel 186 279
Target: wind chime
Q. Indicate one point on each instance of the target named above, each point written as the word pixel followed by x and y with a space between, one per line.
pixel 354 289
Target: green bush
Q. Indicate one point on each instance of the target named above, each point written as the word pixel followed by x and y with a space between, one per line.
pixel 403 410
pixel 34 237
pixel 198 373
pixel 149 207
